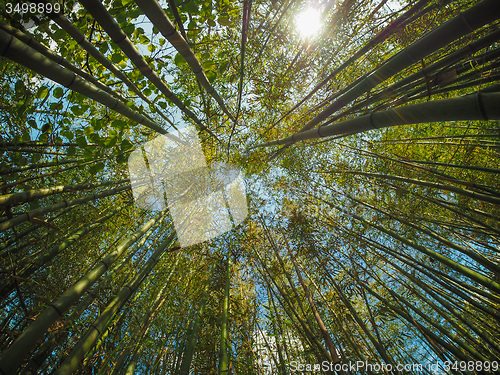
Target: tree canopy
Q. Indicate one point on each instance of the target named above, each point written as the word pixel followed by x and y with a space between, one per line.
pixel 370 156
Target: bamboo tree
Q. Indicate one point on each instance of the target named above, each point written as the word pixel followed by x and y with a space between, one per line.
pixel 362 325
pixel 31 195
pixel 147 318
pixel 408 305
pixel 17 51
pixel 474 255
pixel 30 41
pixel 379 38
pixel 443 282
pixel 477 107
pixel 68 27
pixel 480 14
pixel 89 338
pixel 451 309
pixel 481 279
pixel 224 340
pixel 279 338
pixel 194 329
pixel 101 15
pixel 437 185
pixel 40 262
pixel 158 17
pixel 42 353
pixel 321 353
pixel 17 352
pixel 30 215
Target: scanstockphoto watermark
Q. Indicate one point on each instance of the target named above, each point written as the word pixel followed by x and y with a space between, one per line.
pixel 365 367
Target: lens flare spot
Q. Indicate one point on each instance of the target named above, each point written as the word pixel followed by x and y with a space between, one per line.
pixel 308 22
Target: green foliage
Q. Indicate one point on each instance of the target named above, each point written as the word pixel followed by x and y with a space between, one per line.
pixel 393 230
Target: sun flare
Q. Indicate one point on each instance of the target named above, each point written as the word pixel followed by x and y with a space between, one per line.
pixel 308 22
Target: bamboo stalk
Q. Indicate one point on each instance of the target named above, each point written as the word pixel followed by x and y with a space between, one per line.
pixel 57 206
pixel 147 319
pixel 25 168
pixel 397 297
pixel 15 50
pixel 478 106
pixel 224 340
pixel 379 38
pixel 324 332
pixel 32 195
pixel 480 279
pixel 435 185
pixel 467 21
pixel 489 264
pixel 308 334
pixel 481 333
pixel 101 15
pixel 194 328
pixel 51 253
pixel 71 30
pixel 39 47
pixel 70 297
pixel 88 340
pixel 155 13
pixel 378 346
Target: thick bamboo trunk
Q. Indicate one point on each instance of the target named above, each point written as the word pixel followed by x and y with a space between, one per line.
pixel 90 337
pixel 14 356
pixel 30 41
pixel 32 195
pixel 155 13
pixel 471 19
pixel 71 30
pixel 15 50
pixel 57 206
pixel 473 107
pixel 41 355
pixel 101 15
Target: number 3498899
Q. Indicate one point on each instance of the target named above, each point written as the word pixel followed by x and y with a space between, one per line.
pixel 32 8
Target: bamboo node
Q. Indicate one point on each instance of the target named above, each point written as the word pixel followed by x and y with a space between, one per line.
pixel 480 105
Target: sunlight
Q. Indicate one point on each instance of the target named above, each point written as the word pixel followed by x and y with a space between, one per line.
pixel 308 22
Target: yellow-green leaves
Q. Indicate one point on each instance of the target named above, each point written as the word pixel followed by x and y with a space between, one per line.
pixel 111 139
pixel 42 92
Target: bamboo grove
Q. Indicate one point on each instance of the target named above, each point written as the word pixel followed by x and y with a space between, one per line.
pixel 371 159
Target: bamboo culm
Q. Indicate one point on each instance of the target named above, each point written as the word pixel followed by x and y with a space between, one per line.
pixel 101 15
pixel 88 340
pixel 478 106
pixel 15 50
pixel 157 15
